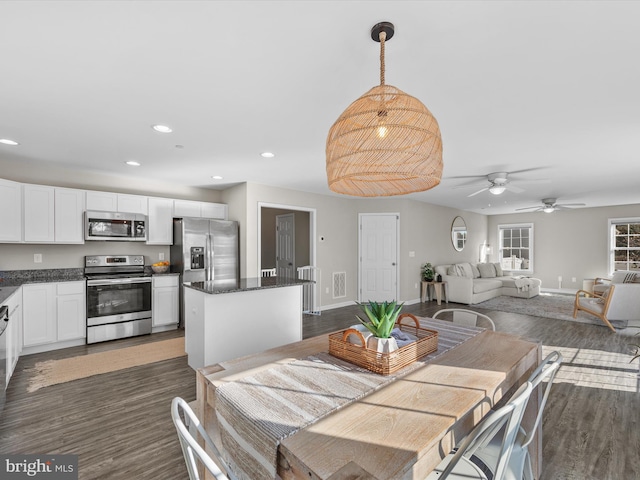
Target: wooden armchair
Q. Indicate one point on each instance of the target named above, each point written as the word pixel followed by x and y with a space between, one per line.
pixel 620 302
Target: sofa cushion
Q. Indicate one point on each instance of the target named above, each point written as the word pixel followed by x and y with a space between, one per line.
pixel 464 270
pixel 498 268
pixel 481 285
pixel 625 276
pixel 474 269
pixel 487 270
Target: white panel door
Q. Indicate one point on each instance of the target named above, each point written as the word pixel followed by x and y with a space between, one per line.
pixel 69 220
pixel 102 201
pixel 39 313
pixel 132 204
pixel 160 227
pixel 285 246
pixel 378 257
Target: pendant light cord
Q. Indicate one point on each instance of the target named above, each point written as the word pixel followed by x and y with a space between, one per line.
pixel 383 36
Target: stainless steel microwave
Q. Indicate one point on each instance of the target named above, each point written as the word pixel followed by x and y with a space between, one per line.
pixel 115 226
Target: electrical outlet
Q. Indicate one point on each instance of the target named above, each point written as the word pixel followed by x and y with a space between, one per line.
pixel 327 291
pixel 559 278
pixel 415 285
pixel 161 256
pixel 412 254
pixel 573 279
pixel 37 258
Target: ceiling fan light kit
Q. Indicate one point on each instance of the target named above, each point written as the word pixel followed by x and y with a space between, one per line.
pixel 386 142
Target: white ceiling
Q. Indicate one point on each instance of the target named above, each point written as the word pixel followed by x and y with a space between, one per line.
pixel 545 85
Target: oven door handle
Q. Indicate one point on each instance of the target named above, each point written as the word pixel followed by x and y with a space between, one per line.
pixel 117 281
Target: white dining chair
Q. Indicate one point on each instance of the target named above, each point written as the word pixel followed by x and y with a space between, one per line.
pixel 194 454
pixel 459 464
pixel 468 318
pixel 520 467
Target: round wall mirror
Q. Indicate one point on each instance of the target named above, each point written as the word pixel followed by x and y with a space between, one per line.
pixel 458 233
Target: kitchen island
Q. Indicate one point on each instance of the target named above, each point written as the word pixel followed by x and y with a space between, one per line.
pixel 229 320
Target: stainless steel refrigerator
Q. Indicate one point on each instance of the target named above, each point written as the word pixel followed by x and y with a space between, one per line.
pixel 205 250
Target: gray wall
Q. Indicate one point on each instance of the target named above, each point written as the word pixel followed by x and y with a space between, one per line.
pixel 567 243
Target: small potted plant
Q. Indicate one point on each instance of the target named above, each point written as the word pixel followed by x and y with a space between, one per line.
pixel 428 273
pixel 381 318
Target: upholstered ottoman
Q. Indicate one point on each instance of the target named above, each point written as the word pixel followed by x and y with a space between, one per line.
pixel 521 287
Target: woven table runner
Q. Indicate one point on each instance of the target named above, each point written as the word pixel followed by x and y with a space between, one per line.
pixel 257 412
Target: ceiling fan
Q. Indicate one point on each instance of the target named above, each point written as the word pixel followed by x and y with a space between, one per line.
pixel 498 182
pixel 549 205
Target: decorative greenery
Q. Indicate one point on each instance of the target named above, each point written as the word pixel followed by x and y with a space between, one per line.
pixel 382 317
pixel 428 273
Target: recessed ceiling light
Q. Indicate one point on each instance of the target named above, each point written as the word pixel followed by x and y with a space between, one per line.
pixel 6 141
pixel 179 146
pixel 217 177
pixel 133 163
pixel 162 128
pixel 267 155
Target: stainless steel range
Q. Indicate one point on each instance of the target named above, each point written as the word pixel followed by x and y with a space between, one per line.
pixel 118 297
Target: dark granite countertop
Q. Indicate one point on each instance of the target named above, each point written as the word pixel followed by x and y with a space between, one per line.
pixel 10 280
pixel 245 284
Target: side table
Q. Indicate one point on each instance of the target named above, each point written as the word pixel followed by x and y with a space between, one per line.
pixel 439 287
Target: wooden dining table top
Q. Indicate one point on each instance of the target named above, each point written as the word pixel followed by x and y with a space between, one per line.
pixel 402 430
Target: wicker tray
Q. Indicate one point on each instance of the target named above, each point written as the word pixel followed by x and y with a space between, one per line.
pixel 384 363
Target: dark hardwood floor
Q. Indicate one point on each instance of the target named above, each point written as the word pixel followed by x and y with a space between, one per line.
pixel 120 426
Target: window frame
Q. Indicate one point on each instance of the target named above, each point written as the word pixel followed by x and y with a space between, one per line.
pixel 506 226
pixel 611 240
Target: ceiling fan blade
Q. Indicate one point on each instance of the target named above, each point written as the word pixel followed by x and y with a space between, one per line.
pixel 474 184
pixel 479 191
pixel 513 188
pixel 529 208
pixel 570 205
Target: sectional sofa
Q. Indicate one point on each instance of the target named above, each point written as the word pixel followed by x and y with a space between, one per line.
pixel 474 283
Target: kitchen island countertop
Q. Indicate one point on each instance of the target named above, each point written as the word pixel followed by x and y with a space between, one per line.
pixel 245 284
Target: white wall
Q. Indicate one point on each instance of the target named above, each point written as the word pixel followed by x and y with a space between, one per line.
pixel 567 243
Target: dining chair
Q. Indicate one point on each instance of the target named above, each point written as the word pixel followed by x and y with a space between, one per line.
pixel 467 318
pixel 519 466
pixel 194 454
pixel 460 464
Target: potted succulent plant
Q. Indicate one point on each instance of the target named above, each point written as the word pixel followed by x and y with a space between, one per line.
pixel 381 318
pixel 428 273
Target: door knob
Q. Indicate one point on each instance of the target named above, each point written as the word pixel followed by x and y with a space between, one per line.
pixel 393 264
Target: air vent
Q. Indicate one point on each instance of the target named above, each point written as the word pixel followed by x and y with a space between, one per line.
pixel 339 284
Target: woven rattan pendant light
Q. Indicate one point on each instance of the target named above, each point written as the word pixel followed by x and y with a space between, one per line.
pixel 386 142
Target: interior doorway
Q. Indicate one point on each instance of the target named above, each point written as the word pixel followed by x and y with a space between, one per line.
pixel 286 245
pixel 304 246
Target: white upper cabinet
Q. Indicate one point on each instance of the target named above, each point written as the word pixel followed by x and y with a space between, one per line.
pixel 69 218
pixel 10 211
pixel 191 208
pixel 132 204
pixel 186 208
pixel 160 228
pixel 102 201
pixel 214 210
pixel 116 202
pixel 39 217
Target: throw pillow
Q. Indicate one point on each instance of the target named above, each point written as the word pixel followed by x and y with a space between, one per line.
pixel 452 271
pixel 487 270
pixel 476 272
pixel 498 267
pixel 464 270
pixel 629 278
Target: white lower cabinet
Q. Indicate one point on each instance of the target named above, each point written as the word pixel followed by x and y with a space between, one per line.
pixel 53 312
pixel 71 311
pixel 13 332
pixel 165 300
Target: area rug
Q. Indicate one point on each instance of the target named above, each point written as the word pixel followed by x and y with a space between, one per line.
pixel 546 305
pixel 52 372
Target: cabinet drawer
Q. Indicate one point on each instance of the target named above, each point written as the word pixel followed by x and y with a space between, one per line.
pixel 165 281
pixel 70 288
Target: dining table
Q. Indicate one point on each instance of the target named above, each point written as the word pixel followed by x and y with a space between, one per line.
pixel 295 411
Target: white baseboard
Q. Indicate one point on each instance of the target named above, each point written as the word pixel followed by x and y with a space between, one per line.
pixel 351 303
pixel 562 291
